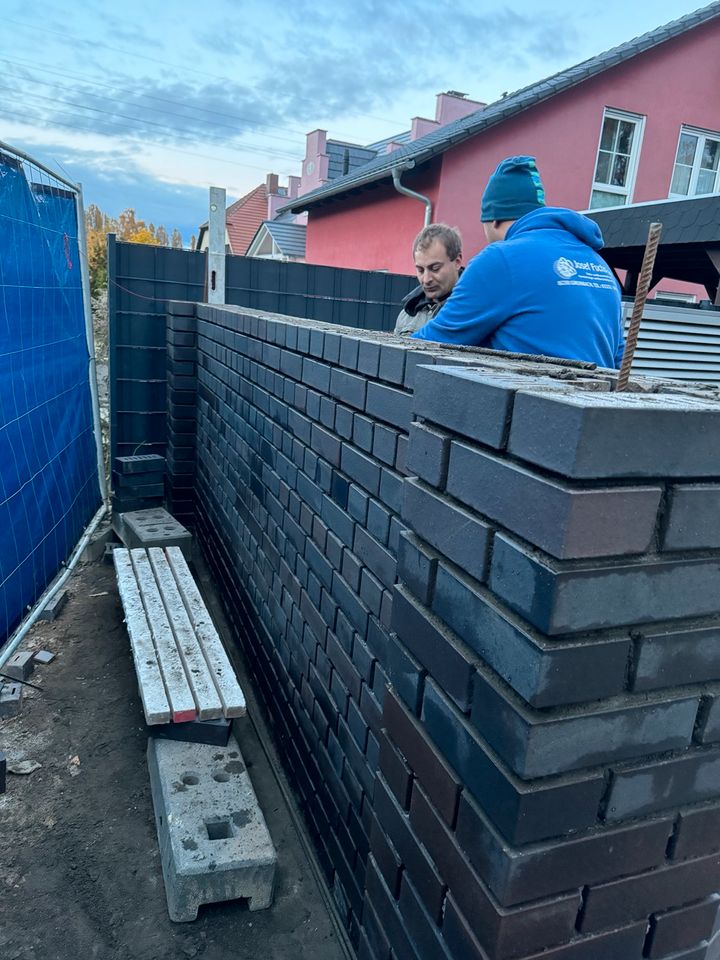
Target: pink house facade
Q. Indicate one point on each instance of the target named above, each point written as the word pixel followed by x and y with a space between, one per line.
pixel 639 123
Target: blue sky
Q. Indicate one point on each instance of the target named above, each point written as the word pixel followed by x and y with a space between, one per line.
pixel 148 104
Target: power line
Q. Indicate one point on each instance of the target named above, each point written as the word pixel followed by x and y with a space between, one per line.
pixel 149 96
pixel 65 35
pixel 152 123
pixel 69 126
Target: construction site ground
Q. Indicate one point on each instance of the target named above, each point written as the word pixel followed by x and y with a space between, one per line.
pixel 80 873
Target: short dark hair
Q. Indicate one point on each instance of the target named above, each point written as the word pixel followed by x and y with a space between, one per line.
pixel 448 236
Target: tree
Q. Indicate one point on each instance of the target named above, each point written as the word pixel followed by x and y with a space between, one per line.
pixel 127 227
pixel 177 241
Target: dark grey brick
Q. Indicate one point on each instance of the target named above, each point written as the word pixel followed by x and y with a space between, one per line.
pixel 502 932
pixel 427 455
pixel 371 592
pixel 355 610
pixel 405 674
pixel 362 469
pixel 384 444
pixel 672 659
pixel 697 832
pixel 448 660
pixel 357 504
pixel 363 431
pixel 391 485
pixel 523 812
pixel 388 916
pixel 567 522
pixel 471 402
pixel 378 522
pixel 624 942
pixel 339 522
pixel 558 599
pixel 516 875
pixel 642 788
pixel 349 352
pixel 539 743
pixel 693 521
pixel 630 898
pixel 386 857
pixel 391 405
pixel 375 556
pixel 417 567
pixel 348 387
pixel 682 927
pixel 344 421
pixel 317 375
pixel 453 531
pixel 593 435
pixel 368 362
pixel 396 824
pixel 422 927
pixel 544 673
pixel 437 779
pixel 392 363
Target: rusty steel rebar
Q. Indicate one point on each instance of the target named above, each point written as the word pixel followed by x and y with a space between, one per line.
pixel 641 293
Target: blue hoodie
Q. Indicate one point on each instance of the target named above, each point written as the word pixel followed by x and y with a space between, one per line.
pixel 544 289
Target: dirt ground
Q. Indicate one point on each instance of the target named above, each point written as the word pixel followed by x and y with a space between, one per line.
pixel 80 873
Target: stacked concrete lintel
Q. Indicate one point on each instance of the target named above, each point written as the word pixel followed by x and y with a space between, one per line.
pixel 550 780
pixel 181 406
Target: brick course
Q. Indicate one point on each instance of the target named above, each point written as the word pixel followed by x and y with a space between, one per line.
pixel 479 600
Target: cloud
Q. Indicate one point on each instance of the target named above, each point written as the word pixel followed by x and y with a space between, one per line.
pixel 115 182
pixel 155 110
pixel 369 54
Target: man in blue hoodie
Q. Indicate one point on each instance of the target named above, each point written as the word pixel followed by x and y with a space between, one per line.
pixel 540 287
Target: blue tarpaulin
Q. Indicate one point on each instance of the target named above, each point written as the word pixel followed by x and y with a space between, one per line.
pixel 49 485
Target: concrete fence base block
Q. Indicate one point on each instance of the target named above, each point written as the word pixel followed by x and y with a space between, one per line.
pixel 214 844
pixel 152 528
pixel 10 699
pixel 53 607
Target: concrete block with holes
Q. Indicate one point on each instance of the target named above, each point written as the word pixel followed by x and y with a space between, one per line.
pixel 153 528
pixel 214 843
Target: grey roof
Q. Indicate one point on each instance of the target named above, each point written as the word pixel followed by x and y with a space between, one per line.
pixel 344 158
pixel 453 133
pixel 695 220
pixel 289 237
pixel 690 228
pixel 380 145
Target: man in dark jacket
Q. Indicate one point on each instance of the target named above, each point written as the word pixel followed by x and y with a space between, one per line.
pixel 543 288
pixel 437 251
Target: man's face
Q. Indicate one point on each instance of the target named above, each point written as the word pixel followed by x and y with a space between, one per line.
pixel 435 271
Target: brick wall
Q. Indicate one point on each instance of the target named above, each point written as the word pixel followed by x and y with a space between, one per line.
pixel 480 602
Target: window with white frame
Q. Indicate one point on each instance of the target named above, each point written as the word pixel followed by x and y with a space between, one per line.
pixel 697 164
pixel 617 159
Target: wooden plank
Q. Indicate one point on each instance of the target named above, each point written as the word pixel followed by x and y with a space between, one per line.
pixel 207 700
pixel 229 689
pixel 150 680
pixel 178 690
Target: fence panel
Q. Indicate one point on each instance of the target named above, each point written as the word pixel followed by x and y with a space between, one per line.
pixel 49 481
pixel 143 278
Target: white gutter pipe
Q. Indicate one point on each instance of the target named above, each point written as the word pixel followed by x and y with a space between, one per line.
pixel 401 168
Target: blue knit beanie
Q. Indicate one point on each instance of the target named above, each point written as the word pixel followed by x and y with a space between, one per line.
pixel 513 190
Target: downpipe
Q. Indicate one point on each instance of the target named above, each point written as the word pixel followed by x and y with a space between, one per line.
pixel 401 168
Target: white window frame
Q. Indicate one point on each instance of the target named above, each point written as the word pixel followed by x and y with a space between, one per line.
pixel 702 134
pixel 624 194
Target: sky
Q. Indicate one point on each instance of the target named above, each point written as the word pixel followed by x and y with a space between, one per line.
pixel 148 104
